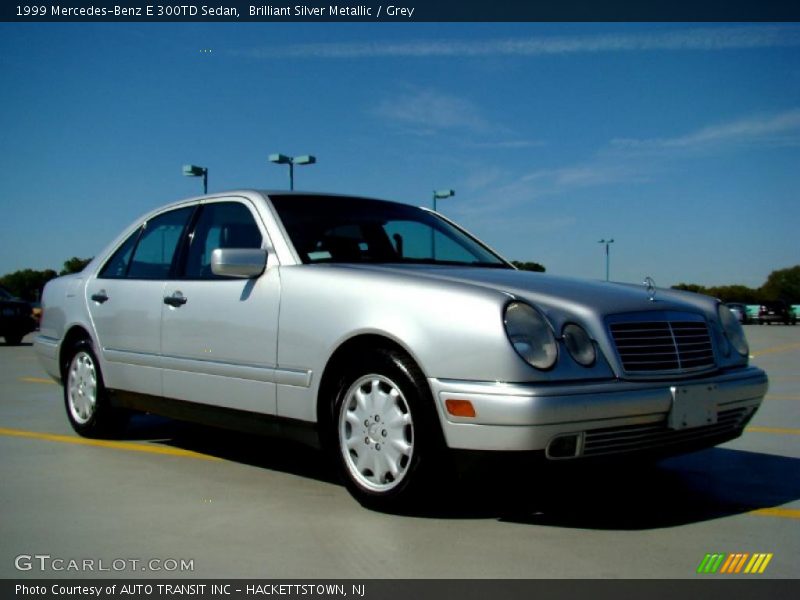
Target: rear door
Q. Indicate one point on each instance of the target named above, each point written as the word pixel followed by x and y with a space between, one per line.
pixel 125 301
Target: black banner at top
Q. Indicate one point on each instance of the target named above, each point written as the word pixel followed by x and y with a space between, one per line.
pixel 401 11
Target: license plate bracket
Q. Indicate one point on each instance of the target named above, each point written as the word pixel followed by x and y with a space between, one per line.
pixel 693 406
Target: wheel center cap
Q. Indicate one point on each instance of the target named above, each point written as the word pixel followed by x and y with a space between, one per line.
pixel 374 432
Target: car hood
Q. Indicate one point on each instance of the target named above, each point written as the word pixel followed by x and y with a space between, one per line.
pixel 560 294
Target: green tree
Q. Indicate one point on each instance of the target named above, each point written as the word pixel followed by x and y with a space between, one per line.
pixel 735 293
pixel 726 293
pixel 691 287
pixel 74 265
pixel 783 284
pixel 27 283
pixel 528 266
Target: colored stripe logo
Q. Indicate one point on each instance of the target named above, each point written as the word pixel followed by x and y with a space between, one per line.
pixel 734 563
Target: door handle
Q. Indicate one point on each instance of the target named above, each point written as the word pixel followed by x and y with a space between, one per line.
pixel 177 299
pixel 100 297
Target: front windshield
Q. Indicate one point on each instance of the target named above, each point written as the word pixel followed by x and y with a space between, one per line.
pixel 4 295
pixel 336 229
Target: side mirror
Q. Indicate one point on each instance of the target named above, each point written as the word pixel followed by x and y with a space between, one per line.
pixel 242 263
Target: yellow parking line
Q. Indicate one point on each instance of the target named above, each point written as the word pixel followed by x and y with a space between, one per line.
pixel 776 349
pixel 129 446
pixel 37 380
pixel 779 430
pixel 786 513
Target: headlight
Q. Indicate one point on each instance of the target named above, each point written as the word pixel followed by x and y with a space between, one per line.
pixel 579 344
pixel 733 330
pixel 530 335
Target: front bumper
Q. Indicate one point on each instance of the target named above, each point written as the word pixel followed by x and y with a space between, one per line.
pixel 601 417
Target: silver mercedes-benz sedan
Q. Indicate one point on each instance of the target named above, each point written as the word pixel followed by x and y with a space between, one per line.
pixel 387 335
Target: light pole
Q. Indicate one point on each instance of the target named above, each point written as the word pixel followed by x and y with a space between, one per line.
pixel 438 195
pixel 607 243
pixel 282 159
pixel 441 195
pixel 195 171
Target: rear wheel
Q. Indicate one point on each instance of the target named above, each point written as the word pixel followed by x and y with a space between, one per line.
pixel 13 340
pixel 88 407
pixel 388 441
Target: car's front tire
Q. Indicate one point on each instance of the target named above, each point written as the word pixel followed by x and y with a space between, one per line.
pixel 388 442
pixel 85 396
pixel 13 340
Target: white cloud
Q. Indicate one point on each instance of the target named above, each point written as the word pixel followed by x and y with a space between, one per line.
pixel 776 128
pixel 506 144
pixel 579 176
pixel 484 177
pixel 706 38
pixel 426 112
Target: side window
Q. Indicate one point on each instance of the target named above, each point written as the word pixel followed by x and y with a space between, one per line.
pixel 221 225
pixel 117 265
pixel 152 258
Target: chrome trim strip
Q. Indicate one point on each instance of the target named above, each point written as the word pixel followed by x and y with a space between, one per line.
pixel 141 359
pixel 263 373
pixel 293 377
pixel 46 340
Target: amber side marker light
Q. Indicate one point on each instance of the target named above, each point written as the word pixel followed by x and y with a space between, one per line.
pixel 460 408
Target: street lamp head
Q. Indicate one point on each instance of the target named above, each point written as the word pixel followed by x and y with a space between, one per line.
pixel 440 194
pixel 194 171
pixel 607 242
pixel 280 159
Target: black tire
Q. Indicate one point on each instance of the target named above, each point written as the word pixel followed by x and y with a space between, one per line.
pixel 390 454
pixel 13 340
pixel 86 398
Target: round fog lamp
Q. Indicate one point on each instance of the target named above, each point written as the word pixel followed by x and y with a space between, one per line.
pixel 579 344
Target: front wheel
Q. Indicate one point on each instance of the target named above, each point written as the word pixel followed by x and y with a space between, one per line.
pixel 388 440
pixel 88 407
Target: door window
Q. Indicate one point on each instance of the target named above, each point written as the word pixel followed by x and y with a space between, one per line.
pixel 160 236
pixel 117 265
pixel 221 225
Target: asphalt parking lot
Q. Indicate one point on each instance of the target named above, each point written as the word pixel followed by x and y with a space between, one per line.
pixel 232 506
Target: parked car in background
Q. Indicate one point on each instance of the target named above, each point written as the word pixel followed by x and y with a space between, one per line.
pixel 16 319
pixel 776 311
pixel 739 310
pixel 390 337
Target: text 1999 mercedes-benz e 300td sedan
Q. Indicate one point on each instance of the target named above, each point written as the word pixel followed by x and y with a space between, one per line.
pixel 391 335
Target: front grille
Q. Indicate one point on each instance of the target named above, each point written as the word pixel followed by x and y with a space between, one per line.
pixel 656 436
pixel 663 346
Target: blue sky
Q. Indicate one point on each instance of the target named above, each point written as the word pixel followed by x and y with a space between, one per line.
pixel 680 141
